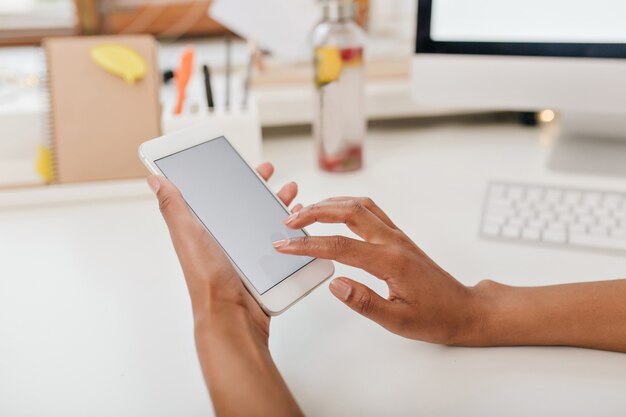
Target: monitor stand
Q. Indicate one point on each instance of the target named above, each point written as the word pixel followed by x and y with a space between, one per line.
pixel 590 144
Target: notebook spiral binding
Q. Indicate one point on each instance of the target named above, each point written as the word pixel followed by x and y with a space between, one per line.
pixel 48 126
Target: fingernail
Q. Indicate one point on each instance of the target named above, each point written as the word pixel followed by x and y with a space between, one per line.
pixel 154 183
pixel 291 218
pixel 341 289
pixel 281 243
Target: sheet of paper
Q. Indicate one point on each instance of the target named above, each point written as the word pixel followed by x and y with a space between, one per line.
pixel 281 26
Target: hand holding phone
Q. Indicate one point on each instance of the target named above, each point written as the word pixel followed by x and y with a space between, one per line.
pixel 231 329
pixel 208 272
pixel 237 209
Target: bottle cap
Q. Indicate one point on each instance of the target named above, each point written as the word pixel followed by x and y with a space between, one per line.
pixel 339 10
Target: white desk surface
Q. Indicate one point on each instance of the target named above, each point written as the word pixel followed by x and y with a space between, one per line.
pixel 95 319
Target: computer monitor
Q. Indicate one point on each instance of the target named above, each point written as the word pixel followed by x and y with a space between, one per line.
pixel 527 55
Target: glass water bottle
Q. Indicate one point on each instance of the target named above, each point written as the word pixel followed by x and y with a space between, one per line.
pixel 339 124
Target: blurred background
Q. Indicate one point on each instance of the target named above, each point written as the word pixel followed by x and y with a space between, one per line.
pixel 490 131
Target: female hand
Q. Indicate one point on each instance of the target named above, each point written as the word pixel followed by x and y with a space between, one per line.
pixel 231 329
pixel 424 302
pixel 214 285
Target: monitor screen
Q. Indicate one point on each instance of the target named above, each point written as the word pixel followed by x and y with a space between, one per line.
pixel 556 28
pixel 541 21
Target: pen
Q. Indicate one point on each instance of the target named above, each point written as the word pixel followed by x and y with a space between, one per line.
pixel 183 73
pixel 207 87
pixel 228 69
pixel 168 75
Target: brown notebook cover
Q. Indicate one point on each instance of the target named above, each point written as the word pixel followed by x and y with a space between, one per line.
pixel 97 120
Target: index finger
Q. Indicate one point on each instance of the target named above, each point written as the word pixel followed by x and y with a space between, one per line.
pixel 350 212
pixel 372 258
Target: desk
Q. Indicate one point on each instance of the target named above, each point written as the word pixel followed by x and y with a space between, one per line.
pixel 95 319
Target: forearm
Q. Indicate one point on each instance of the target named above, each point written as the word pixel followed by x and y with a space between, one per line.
pixel 240 373
pixel 589 315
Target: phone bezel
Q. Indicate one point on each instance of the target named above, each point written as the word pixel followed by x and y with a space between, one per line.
pixel 291 289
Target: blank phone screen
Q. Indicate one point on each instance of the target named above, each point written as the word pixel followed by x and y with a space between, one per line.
pixel 236 207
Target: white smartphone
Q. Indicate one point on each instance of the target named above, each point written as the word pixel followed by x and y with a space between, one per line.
pixel 243 215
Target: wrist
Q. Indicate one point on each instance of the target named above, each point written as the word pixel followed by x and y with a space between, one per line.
pixel 216 315
pixel 228 319
pixel 211 305
pixel 479 315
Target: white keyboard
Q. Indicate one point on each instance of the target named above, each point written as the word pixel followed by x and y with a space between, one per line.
pixel 555 215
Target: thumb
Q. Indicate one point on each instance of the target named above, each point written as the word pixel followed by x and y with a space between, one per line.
pixel 361 299
pixel 173 207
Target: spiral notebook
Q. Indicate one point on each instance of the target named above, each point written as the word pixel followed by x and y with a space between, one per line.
pixel 97 121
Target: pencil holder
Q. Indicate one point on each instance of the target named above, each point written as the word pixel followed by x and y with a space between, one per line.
pixel 241 126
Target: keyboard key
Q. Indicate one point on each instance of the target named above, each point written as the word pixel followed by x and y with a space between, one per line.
pixel 526 215
pixel 534 194
pixel 561 208
pixel 612 201
pixel 601 212
pixel 618 234
pixel 546 216
pixel 515 222
pixel 553 196
pixel 495 218
pixel 620 214
pixel 592 199
pixel 515 193
pixel 531 234
pixel 598 231
pixel 581 210
pixel 572 197
pixel 566 218
pixel 607 222
pixel 556 226
pixel 554 236
pixel 577 228
pixel 511 232
pixel 540 206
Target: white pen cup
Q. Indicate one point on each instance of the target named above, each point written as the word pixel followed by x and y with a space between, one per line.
pixel 241 126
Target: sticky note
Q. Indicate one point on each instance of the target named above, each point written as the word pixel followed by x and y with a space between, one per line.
pixel 44 165
pixel 121 61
